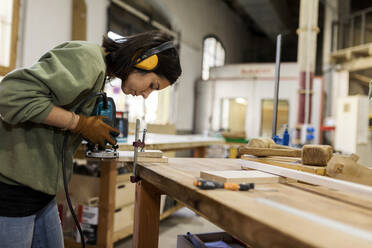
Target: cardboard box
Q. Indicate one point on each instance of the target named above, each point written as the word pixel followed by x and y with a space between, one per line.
pixel 183 241
pixel 88 219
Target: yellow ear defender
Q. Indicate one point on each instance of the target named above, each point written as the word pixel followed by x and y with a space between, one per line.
pixel 149 61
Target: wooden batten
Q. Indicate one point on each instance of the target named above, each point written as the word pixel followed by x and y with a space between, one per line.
pixel 79 20
pixel 331 183
pixel 228 176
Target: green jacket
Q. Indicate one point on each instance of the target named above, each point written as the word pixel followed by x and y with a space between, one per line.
pixel 30 152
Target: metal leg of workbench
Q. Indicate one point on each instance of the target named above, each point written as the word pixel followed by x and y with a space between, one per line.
pixel 106 204
pixel 146 216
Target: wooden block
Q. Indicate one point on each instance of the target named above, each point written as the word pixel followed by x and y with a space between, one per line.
pixel 316 154
pixel 128 156
pixel 146 153
pixel 150 154
pixel 240 176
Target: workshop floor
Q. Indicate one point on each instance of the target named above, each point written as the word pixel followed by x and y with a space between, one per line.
pixel 180 222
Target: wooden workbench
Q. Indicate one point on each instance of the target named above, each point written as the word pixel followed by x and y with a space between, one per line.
pixel 169 142
pixel 106 235
pixel 273 215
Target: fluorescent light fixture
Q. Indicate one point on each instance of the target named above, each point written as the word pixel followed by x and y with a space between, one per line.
pixel 240 100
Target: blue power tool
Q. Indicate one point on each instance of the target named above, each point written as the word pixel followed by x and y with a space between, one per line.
pixel 105 106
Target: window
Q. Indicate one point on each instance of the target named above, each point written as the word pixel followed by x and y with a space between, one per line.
pixel 9 11
pixel 267 106
pixel 233 113
pixel 213 55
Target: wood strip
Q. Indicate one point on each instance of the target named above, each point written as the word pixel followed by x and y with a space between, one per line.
pixel 79 20
pixel 239 176
pixel 146 216
pixel 289 163
pixel 147 154
pixel 14 35
pixel 143 159
pixel 13 39
pixel 263 152
pixel 310 178
pixel 150 154
pixel 106 204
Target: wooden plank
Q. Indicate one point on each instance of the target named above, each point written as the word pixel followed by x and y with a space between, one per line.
pixel 150 154
pixel 106 204
pixel 146 216
pixel 14 35
pixel 270 152
pixel 13 39
pixel 128 156
pixel 239 176
pixel 79 20
pixel 310 178
pixel 290 163
pixel 259 223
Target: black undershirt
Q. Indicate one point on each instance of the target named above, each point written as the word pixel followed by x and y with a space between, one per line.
pixel 20 201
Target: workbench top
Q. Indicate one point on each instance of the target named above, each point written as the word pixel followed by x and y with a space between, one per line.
pixel 277 214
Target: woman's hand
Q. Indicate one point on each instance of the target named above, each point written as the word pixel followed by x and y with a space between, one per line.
pixel 95 130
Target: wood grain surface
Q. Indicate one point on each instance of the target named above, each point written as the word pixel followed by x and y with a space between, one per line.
pixel 146 230
pixel 273 215
pixel 239 176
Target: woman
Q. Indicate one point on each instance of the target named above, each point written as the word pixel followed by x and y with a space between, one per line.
pixel 37 107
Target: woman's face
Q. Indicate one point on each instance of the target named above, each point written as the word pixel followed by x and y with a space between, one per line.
pixel 142 84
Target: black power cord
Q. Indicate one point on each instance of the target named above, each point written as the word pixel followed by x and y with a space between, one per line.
pixel 65 185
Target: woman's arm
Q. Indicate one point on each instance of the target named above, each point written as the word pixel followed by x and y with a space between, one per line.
pixel 91 128
pixel 61 118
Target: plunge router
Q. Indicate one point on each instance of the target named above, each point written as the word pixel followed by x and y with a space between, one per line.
pixel 105 106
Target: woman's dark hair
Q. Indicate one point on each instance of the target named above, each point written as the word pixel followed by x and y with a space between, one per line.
pixel 122 54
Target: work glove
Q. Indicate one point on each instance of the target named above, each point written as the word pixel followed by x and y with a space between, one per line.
pixel 94 129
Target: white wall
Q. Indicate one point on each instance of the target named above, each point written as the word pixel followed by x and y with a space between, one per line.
pixel 46 24
pixel 253 82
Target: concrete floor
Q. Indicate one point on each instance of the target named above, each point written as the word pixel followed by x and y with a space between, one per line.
pixel 180 222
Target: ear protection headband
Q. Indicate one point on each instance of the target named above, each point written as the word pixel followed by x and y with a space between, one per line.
pixel 149 60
